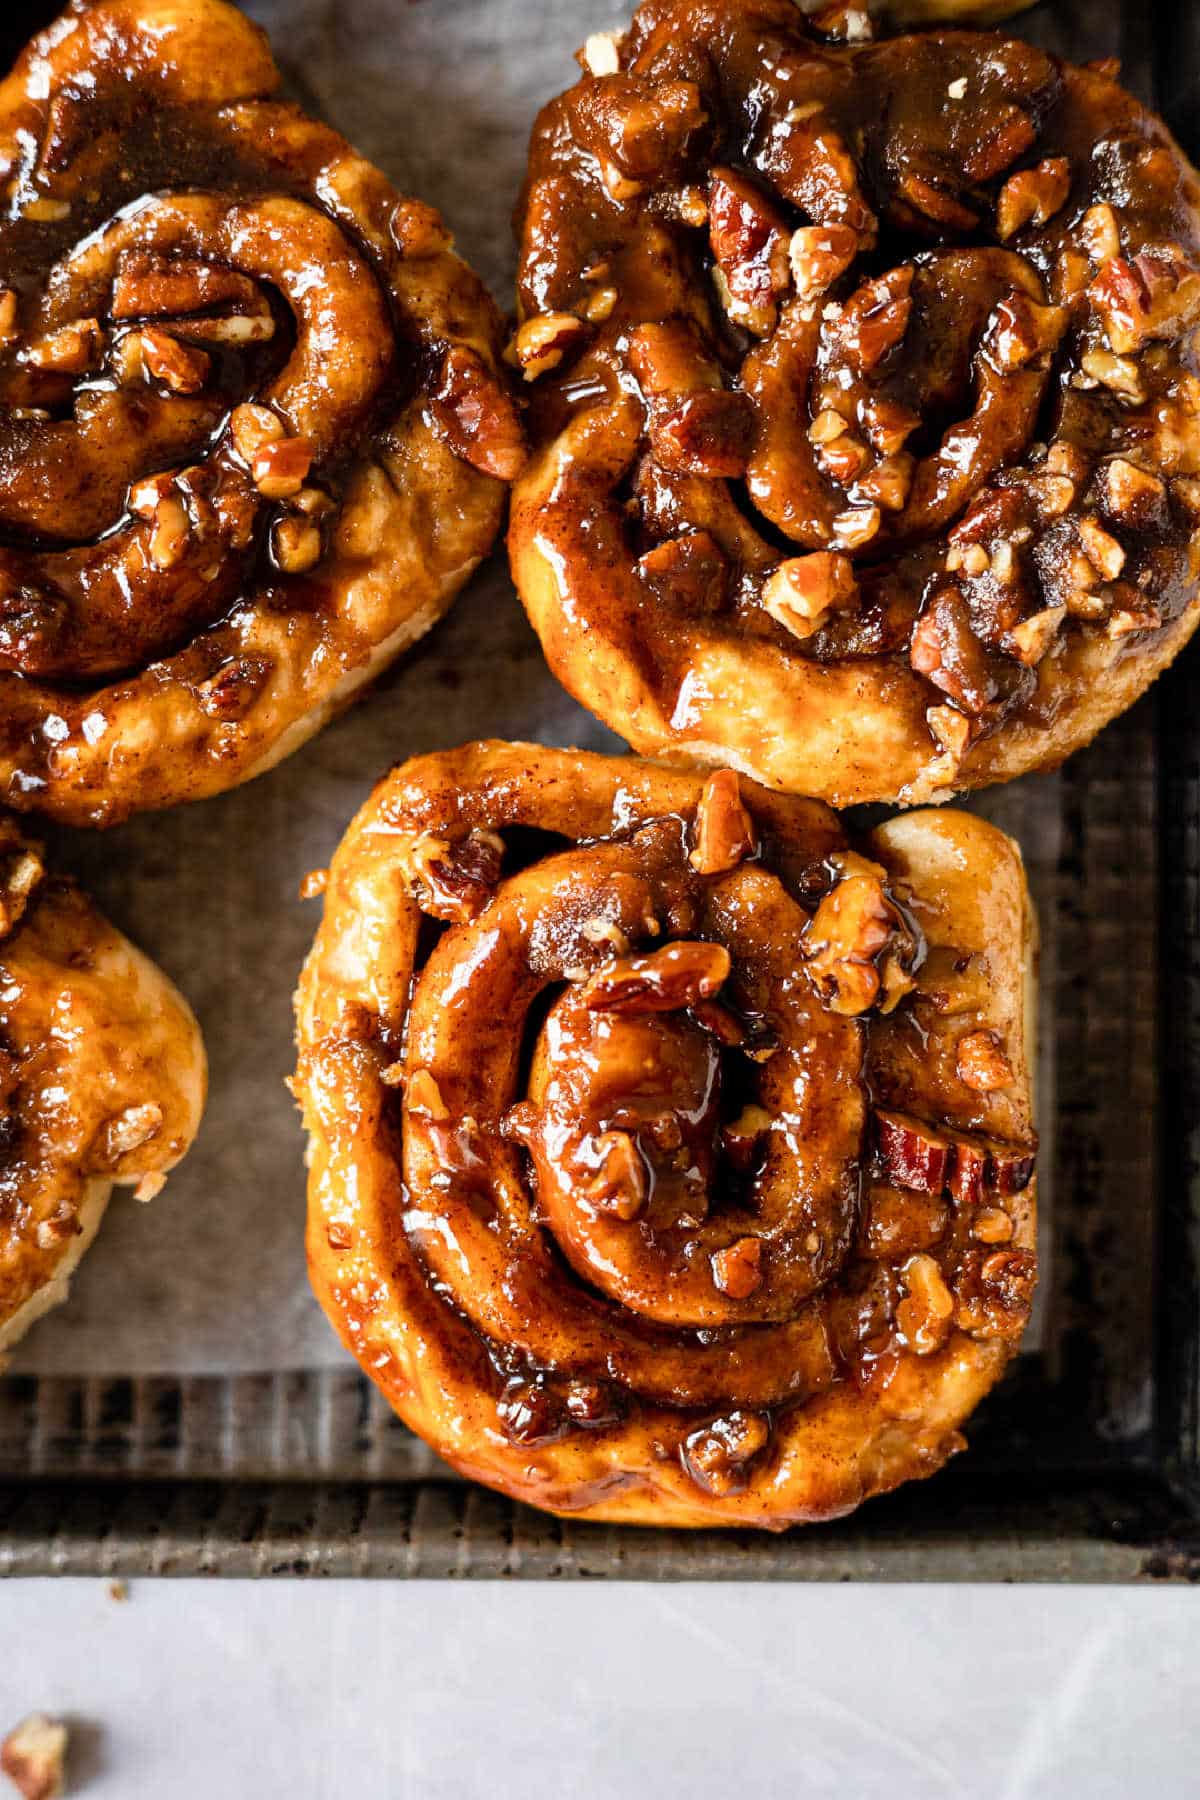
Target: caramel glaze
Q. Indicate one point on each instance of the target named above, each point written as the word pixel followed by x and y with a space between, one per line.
pixel 253 434
pixel 102 1074
pixel 670 1159
pixel 863 399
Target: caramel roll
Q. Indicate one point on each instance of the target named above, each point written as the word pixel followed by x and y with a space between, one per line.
pixel 670 1155
pixel 253 430
pixel 102 1078
pixel 865 441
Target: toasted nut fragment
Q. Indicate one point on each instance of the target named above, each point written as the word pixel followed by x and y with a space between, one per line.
pixel 1053 495
pixel 1115 372
pixel 716 1455
pixel 889 483
pixel 69 351
pixel 601 305
pixel 843 458
pixel 946 651
pixel 1131 496
pixel 251 428
pixel 951 730
pixel 851 926
pixel 688 572
pixel 1032 637
pixel 603 932
pixel 621 187
pixel 1129 619
pixel 229 694
pixel 454 880
pixel 737 1270
pixel 169 539
pixel 932 199
pixel 423 1096
pixel 875 319
pixel 742 1136
pixel 725 833
pixel 417 230
pixel 278 469
pixel 802 592
pixel 9 328
pixel 1032 195
pixel 542 342
pixel 601 54
pixel 911 1153
pixel 621 1188
pixel 856 527
pixel 707 433
pixel 1156 295
pixel 1021 331
pixel 664 980
pixel 924 1316
pixel 827 427
pixel 888 425
pixel 63 1223
pixel 477 417
pixel 182 370
pixel 314 884
pixel 129 1130
pixel 981 1062
pixel 992 1226
pixel 1103 551
pixel 1100 234
pixel 818 254
pixel 749 241
pixel 33 1756
pixel 296 544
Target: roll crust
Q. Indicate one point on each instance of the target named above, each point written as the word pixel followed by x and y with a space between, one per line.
pixel 687 1176
pixel 103 1073
pixel 253 431
pixel 863 399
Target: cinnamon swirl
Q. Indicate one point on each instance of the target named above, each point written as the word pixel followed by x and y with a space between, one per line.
pixel 864 399
pixel 671 1156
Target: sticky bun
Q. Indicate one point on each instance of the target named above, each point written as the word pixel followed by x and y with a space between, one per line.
pixel 253 430
pixel 863 397
pixel 102 1078
pixel 671 1155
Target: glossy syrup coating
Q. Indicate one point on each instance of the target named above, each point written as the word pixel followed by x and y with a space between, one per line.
pixel 253 434
pixel 863 396
pixel 671 1159
pixel 102 1078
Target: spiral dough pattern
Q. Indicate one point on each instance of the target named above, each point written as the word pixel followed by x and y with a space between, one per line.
pixel 864 398
pixel 671 1159
pixel 252 432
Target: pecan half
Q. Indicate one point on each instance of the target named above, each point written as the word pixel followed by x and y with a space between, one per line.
pixel 725 833
pixel 750 245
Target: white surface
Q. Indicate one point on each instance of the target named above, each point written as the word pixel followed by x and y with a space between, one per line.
pixel 341 1691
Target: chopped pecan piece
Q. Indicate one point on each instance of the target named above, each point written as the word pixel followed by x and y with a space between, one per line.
pixel 924 1315
pixel 689 571
pixel 725 833
pixel 1020 331
pixel 296 544
pixel 1155 295
pixel 454 880
pixel 150 286
pixel 1101 548
pixel 665 980
pixel 843 942
pixel 165 359
pixel 1032 196
pixel 818 255
pixel 231 692
pixel 707 433
pixel 1100 234
pixel 802 592
pixel 33 1756
pixel 750 245
pixel 417 230
pixel 992 1226
pixel 856 527
pixel 1116 372
pixel 911 1153
pixel 946 651
pixel 622 1185
pixel 875 319
pixel 742 1136
pixel 737 1269
pixel 716 1455
pixel 278 469
pixel 542 342
pixel 1132 496
pixel 1032 637
pixel 601 53
pixel 69 351
pixel 477 417
pixel 981 1063
pixel 252 428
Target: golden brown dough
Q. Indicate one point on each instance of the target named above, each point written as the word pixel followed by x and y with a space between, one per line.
pixel 681 1172
pixel 102 1078
pixel 864 399
pixel 253 437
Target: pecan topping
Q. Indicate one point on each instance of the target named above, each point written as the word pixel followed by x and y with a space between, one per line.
pixel 477 417
pixel 278 468
pixel 737 1270
pixel 33 1756
pixel 802 592
pixel 946 651
pixel 725 833
pixel 925 1314
pixel 165 359
pixel 845 940
pixel 665 980
pixel 454 880
pixel 716 1456
pixel 542 342
pixel 750 242
pixel 1032 196
pixel 818 255
pixel 690 572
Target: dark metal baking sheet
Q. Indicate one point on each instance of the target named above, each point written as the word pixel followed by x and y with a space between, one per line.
pixel 1084 1466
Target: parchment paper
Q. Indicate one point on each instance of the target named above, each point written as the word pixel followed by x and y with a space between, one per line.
pixel 210 1279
